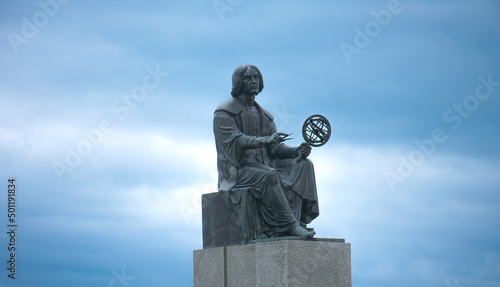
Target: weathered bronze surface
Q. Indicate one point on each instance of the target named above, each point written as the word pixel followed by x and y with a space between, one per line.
pixel 268 188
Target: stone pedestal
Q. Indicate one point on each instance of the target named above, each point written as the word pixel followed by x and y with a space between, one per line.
pixel 280 262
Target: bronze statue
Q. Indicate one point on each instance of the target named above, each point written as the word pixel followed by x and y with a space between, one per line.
pixel 268 187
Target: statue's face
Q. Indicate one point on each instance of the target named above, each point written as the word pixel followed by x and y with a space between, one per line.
pixel 251 81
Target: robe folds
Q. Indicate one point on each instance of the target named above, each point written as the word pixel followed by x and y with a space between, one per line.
pixel 266 189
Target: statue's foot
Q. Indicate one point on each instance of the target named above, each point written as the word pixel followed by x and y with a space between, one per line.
pixel 305 226
pixel 302 232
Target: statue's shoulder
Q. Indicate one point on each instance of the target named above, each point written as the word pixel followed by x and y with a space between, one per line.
pixel 231 106
pixel 234 107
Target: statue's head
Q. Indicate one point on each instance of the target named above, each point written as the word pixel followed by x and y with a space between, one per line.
pixel 241 77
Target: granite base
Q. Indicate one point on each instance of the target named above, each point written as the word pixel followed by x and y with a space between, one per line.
pixel 275 263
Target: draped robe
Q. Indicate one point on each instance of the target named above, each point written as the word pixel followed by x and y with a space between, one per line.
pixel 266 181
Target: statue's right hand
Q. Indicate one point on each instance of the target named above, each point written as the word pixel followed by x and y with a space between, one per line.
pixel 275 138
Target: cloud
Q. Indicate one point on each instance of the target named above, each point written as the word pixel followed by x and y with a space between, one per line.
pixel 447 204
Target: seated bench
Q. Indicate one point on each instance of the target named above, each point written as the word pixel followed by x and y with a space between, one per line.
pixel 219 229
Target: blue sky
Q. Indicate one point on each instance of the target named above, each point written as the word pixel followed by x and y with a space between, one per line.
pixel 106 124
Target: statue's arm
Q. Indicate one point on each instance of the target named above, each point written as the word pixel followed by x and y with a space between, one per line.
pixel 227 131
pixel 282 151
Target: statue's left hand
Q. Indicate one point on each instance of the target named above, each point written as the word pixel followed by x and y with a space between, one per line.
pixel 304 150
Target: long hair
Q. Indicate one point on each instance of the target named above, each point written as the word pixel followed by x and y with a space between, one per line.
pixel 238 77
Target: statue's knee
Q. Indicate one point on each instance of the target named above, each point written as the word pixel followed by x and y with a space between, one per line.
pixel 306 163
pixel 273 177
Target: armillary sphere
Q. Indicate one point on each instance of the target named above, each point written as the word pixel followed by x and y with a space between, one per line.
pixel 316 130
